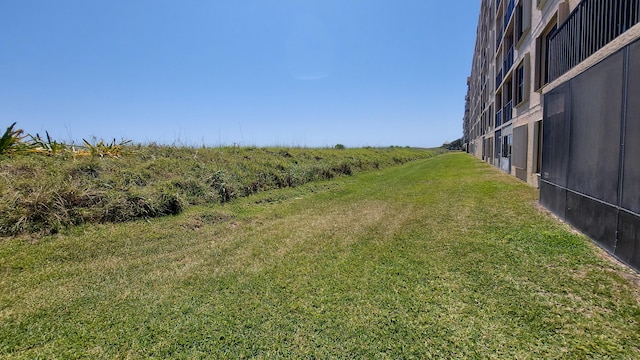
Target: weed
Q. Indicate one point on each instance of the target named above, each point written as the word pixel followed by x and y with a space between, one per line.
pixel 48 146
pixel 102 149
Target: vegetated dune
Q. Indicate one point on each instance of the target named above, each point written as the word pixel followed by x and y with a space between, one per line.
pixel 42 194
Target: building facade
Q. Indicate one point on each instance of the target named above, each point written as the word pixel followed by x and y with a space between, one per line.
pixel 553 98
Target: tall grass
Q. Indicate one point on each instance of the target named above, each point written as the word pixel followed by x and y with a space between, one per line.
pixel 44 194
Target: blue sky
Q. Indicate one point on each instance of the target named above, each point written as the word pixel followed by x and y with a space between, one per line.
pixel 248 72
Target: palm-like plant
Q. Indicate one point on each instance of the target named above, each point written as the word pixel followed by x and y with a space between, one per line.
pixel 11 141
pixel 103 149
pixel 48 146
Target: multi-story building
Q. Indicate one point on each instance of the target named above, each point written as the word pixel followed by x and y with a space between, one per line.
pixel 554 99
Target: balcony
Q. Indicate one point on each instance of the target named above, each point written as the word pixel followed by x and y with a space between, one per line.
pixel 498 117
pixel 589 27
pixel 499 78
pixel 498 37
pixel 507 110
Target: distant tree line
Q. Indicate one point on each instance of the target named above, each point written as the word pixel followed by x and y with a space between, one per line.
pixel 454 145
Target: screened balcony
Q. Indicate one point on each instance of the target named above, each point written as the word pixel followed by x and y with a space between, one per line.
pixel 591 25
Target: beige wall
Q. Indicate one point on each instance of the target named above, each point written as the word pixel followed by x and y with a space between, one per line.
pixel 529 111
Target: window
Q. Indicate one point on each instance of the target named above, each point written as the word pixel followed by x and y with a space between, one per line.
pixel 537 136
pixel 542 55
pixel 519 27
pixel 498 120
pixel 520 84
pixel 522 19
pixel 504 150
pixel 484 148
pixel 491 117
pixel 497 143
pixel 506 146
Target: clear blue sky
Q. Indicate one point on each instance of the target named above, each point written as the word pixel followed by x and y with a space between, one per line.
pixel 250 72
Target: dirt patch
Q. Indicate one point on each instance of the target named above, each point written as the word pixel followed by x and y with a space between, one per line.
pixel 195 223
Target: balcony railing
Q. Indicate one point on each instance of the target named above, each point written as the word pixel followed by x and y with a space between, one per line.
pixel 507 111
pixel 511 5
pixel 591 25
pixel 498 37
pixel 499 78
pixel 498 117
pixel 508 60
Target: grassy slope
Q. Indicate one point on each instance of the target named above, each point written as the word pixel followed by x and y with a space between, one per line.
pixel 43 195
pixel 440 257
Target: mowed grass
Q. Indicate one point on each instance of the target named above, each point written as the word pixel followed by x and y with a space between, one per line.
pixel 444 257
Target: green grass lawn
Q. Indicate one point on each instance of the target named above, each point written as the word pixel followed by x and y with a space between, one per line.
pixel 444 257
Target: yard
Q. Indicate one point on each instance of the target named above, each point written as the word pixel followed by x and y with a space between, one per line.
pixel 441 257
